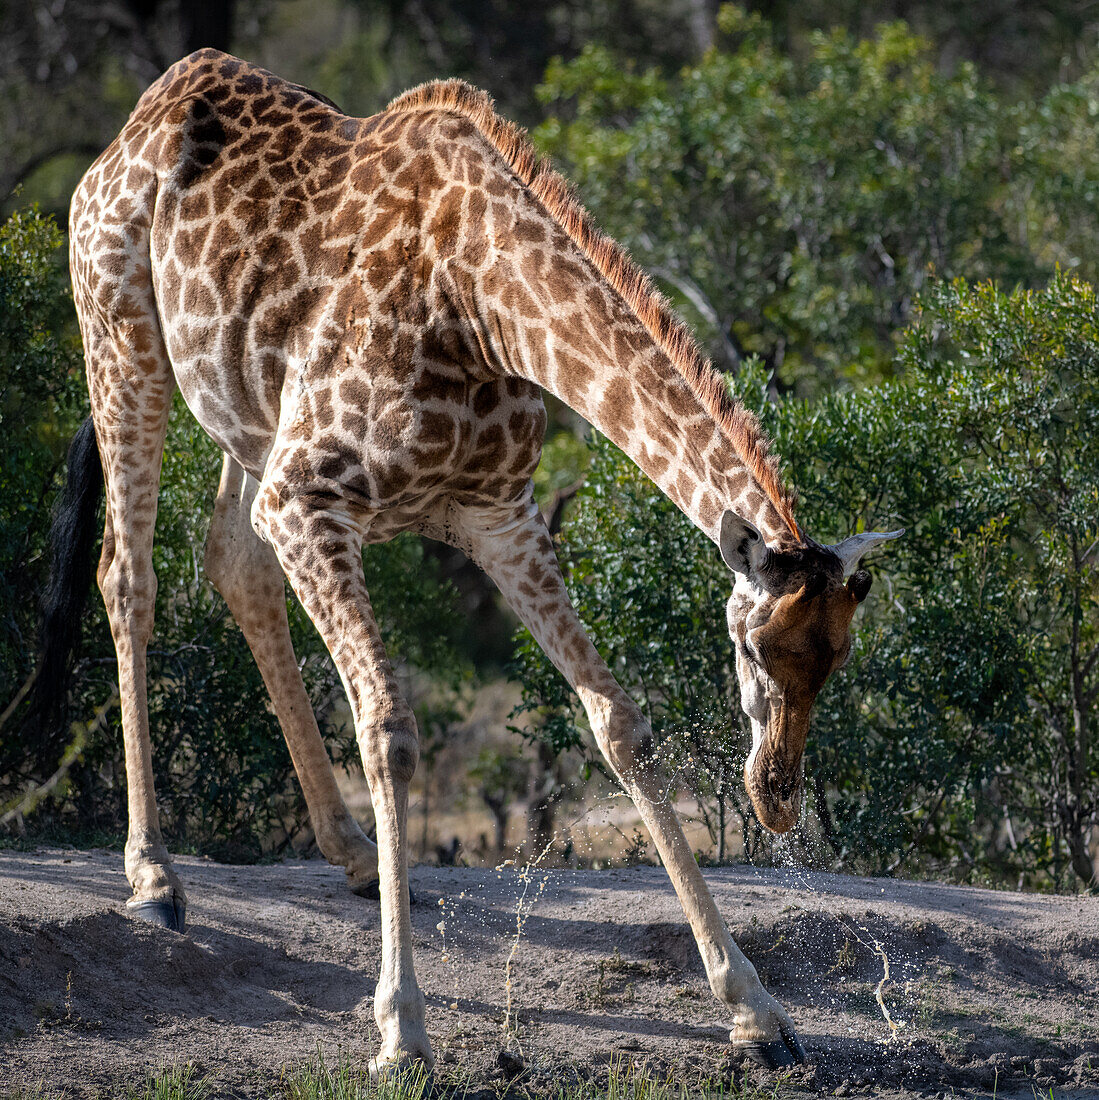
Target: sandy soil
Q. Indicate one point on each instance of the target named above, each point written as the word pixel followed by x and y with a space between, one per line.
pixel 995 990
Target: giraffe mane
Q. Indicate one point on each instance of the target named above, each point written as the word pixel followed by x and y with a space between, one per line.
pixel 559 199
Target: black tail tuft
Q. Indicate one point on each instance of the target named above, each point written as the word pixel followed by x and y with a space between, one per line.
pixel 72 541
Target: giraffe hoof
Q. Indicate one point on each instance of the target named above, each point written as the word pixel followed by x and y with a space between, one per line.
pixel 372 890
pixel 170 914
pixel 776 1053
pixel 413 1074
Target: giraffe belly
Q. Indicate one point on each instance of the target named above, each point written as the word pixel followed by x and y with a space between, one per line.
pixel 232 402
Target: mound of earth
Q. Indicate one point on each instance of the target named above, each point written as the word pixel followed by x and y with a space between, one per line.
pixel 986 990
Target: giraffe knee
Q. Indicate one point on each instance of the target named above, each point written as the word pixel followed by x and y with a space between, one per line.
pixel 626 739
pixel 391 749
pixel 129 593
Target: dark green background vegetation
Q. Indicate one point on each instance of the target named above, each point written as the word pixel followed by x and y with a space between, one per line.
pixel 884 232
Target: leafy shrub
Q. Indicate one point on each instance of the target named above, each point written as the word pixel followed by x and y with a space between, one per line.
pixel 794 204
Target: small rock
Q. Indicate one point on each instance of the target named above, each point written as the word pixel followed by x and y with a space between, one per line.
pixel 511 1065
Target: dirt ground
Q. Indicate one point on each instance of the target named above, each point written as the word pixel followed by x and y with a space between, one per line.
pixel 997 992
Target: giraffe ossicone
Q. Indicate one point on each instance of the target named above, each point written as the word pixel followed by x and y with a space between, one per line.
pixel 361 314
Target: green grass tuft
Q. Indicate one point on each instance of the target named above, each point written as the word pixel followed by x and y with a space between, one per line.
pixel 317 1080
pixel 175 1083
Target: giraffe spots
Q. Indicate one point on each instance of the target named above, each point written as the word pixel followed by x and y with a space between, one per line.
pixel 579 372
pixel 443 348
pixel 446 223
pixel 195 205
pixel 680 400
pixel 381 225
pixel 515 299
pixel 249 85
pixel 354 392
pixel 736 481
pixel 390 429
pixel 197 298
pixel 232 107
pixel 444 386
pixel 190 243
pixel 618 404
pixel 319 148
pixel 573 332
pixel 324 412
pixel 420 176
pixel 485 399
pixel 475 251
pixel 533 265
pixel 437 429
pixel 490 449
pixel 528 231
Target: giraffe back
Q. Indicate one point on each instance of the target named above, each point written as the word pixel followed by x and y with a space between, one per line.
pixel 283 241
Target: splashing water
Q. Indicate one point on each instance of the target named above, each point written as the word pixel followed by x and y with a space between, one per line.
pixel 523 909
pixel 784 853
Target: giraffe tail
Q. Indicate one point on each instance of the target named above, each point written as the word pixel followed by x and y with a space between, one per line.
pixel 72 542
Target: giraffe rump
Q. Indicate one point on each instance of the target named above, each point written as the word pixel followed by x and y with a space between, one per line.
pixel 560 201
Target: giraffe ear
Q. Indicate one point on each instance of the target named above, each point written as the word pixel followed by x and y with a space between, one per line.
pixel 742 547
pixel 851 550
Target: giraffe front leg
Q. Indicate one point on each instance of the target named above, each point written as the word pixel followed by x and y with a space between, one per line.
pixel 762 1029
pixel 321 553
pixel 514 548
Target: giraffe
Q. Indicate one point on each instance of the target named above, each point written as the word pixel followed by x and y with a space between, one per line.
pixel 361 313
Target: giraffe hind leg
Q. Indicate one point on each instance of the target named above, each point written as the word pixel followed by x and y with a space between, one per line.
pixel 246 573
pixel 131 388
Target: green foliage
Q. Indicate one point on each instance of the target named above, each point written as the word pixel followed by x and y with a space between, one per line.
pixel 961 733
pixel 1056 197
pixel 224 777
pixel 176 1083
pixel 346 1080
pixel 39 357
pixel 794 206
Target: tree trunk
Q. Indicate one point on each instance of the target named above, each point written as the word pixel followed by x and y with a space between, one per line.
pixel 541 807
pixel 1080 856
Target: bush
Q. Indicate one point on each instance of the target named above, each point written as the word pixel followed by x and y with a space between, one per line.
pixel 794 204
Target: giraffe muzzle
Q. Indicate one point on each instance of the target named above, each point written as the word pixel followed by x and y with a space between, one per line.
pixel 777 803
pixel 774 777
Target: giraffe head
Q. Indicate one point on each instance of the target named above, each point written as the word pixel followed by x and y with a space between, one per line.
pixel 789 618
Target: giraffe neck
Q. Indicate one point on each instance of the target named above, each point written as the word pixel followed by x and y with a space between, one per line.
pixel 552 300
pixel 648 410
pixel 603 362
